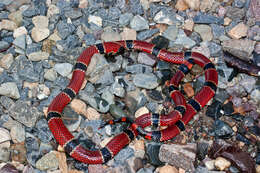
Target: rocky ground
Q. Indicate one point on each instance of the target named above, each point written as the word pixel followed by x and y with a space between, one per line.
pixel 41 39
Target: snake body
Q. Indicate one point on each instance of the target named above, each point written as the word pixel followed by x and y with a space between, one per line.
pixel 175 120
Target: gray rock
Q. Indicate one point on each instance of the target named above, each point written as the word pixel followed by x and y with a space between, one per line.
pixel 166 16
pixel 207 19
pixel 6 102
pixel 7 2
pixel 217 30
pixel 73 14
pixel 248 82
pixel 146 59
pixel 116 65
pixel 204 32
pixel 153 153
pixel 143 35
pixel 182 39
pixel 181 156
pixel 242 48
pixel 65 29
pixel 50 74
pixel 125 19
pixel 215 49
pixel 139 23
pixel 17 133
pixel 38 56
pixel 123 155
pixel 116 111
pixel 108 95
pixel 9 89
pixel 148 81
pixel 4 45
pixel 25 113
pixel 48 162
pixel 255 95
pixel 117 89
pixel 43 131
pixel 138 68
pixel 64 69
pixel 89 39
pixel 235 13
pixel 171 32
pixel 34 47
pixel 71 120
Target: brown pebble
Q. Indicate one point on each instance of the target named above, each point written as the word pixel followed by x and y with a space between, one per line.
pixel 62 161
pixel 168 169
pixel 187 87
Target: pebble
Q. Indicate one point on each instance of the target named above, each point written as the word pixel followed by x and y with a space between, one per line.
pixel 73 14
pixel 92 114
pixel 181 156
pixel 6 61
pixel 52 10
pixel 242 48
pixel 110 36
pixel 210 164
pixel 48 162
pixel 8 168
pixel 223 130
pixel 181 5
pixel 204 31
pixel 258 169
pixel 40 21
pixel 139 23
pixel 17 17
pixel 153 150
pixel 171 32
pixel 188 24
pixel 19 31
pixel 4 45
pixel 128 34
pixel 235 13
pixel 165 17
pixel 38 56
pixel 239 31
pixel 182 39
pixel 9 89
pixel 117 89
pixel 8 25
pixel 148 81
pixel 125 19
pixel 96 20
pixel 17 133
pixel 20 42
pixel 18 153
pixel 168 169
pixel 188 89
pixel 222 164
pixel 146 59
pixel 65 29
pixel 143 35
pixel 255 95
pixel 206 5
pixel 39 34
pixel 207 19
pixel 64 69
pixel 4 135
pixel 50 74
pixel 193 4
pixel 139 68
pixel 79 106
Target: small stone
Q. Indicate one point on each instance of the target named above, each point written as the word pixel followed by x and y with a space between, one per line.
pixel 38 56
pixel 258 169
pixel 92 114
pixel 95 19
pixel 235 13
pixel 204 31
pixel 39 34
pixel 73 14
pixel 193 4
pixel 18 153
pixel 17 133
pixel 110 36
pixel 4 45
pixel 19 31
pixel 40 21
pixel 52 10
pixel 9 89
pixel 227 21
pixel 48 162
pixel 152 151
pixel 165 16
pixel 188 89
pixel 207 19
pixel 223 130
pixel 6 61
pixel 125 19
pixel 171 32
pixel 181 156
pixel 8 168
pixel 148 81
pixel 181 5
pixel 188 24
pixel 79 106
pixel 168 169
pixel 118 89
pixel 138 68
pixel 240 48
pixel 50 74
pixel 255 95
pixel 239 31
pixel 8 25
pixel 83 3
pixel 96 169
pixel 128 34
pixel 61 156
pixel 210 164
pixel 146 59
pixel 141 111
pixel 222 164
pixel 143 35
pixel 116 111
pixel 17 17
pixel 139 23
pixel 4 135
pixel 206 5
pixel 64 69
pixel 20 42
pixel 182 39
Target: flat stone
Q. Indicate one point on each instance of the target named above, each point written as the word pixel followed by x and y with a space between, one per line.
pixel 9 89
pixel 17 17
pixel 182 39
pixel 118 89
pixel 65 29
pixel 128 34
pixel 165 17
pixel 20 42
pixel 125 19
pixel 235 13
pixel 139 23
pixel 40 21
pixel 206 5
pixel 17 133
pixel 239 31
pixel 6 61
pixel 146 59
pixel 39 34
pixel 92 114
pixel 138 68
pixel 19 31
pixel 64 69
pixel 38 56
pixel 4 45
pixel 217 30
pixel 95 19
pixel 181 5
pixel 73 14
pixel 193 4
pixel 181 156
pixel 48 162
pixel 242 48
pixel 171 32
pixel 143 35
pixel 204 31
pixel 188 24
pixel 4 135
pixel 207 19
pixel 8 25
pixel 222 163
pixel 50 74
pixel 52 10
pixel 148 81
pixel 25 113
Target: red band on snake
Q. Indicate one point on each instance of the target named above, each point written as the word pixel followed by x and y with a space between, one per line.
pixel 175 120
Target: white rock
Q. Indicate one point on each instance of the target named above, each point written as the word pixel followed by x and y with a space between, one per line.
pixel 38 56
pixel 19 31
pixel 39 34
pixel 222 163
pixel 40 21
pixel 110 36
pixel 9 89
pixel 50 74
pixel 52 10
pixel 64 69
pixel 4 135
pixel 96 20
pixel 6 61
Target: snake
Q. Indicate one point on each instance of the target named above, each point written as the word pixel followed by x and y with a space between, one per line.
pixel 175 121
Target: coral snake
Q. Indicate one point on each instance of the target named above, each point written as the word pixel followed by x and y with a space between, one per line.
pixel 175 120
